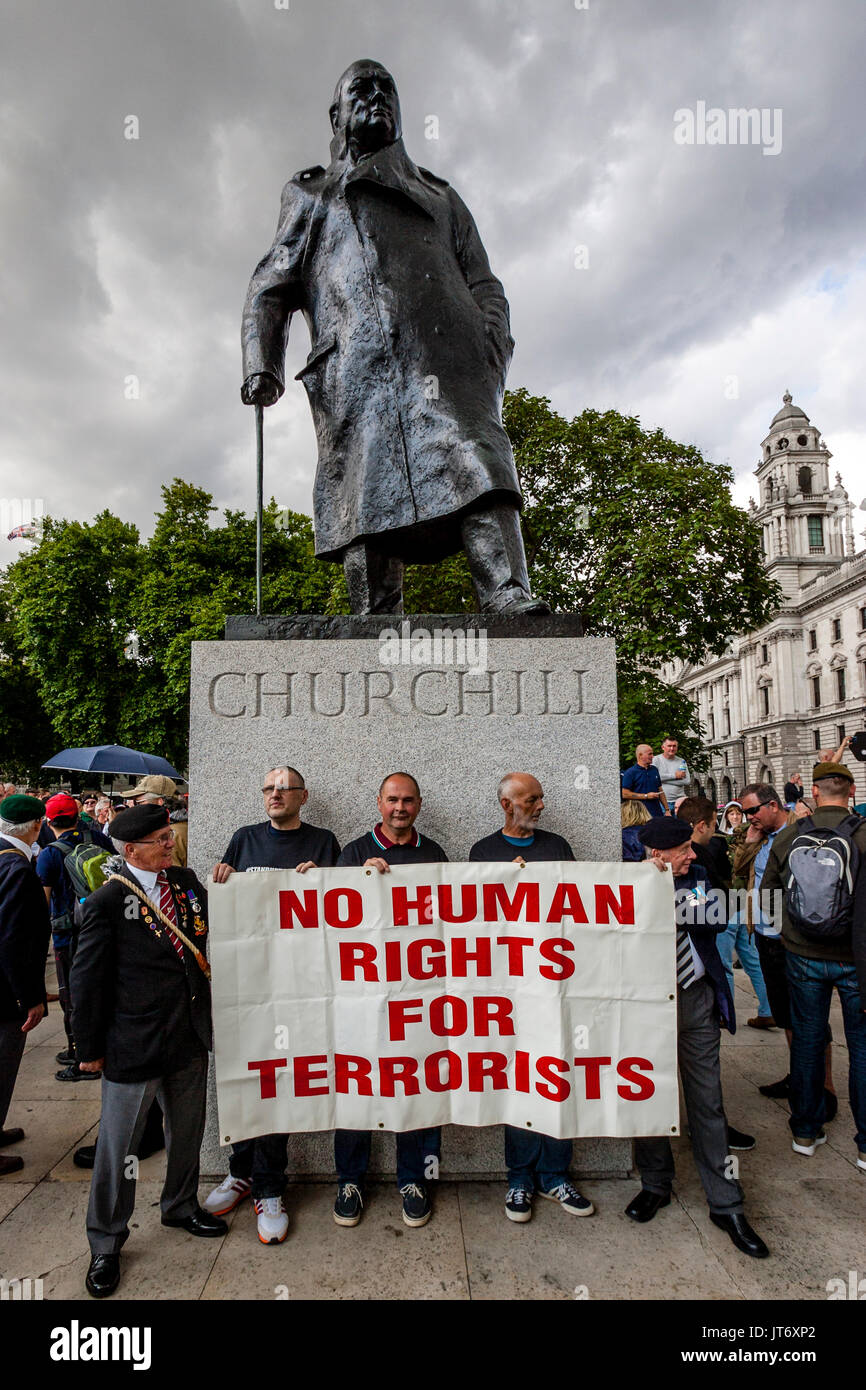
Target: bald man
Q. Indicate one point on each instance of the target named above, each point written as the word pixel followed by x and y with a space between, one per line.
pixel 642 782
pixel 535 1162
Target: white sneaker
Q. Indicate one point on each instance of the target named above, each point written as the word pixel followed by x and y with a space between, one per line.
pixel 227 1196
pixel 808 1146
pixel 273 1220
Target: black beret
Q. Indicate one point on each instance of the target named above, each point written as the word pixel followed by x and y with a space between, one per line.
pixel 664 832
pixel 138 822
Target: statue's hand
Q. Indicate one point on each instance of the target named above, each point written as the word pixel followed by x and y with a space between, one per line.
pixel 260 389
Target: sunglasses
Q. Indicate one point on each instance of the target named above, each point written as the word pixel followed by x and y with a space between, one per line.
pixel 266 791
pixel 753 810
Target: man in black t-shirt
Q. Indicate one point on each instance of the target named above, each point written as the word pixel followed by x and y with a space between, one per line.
pixel 393 841
pixel 535 1162
pixel 283 841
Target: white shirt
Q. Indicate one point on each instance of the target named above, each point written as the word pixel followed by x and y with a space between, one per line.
pixel 147 878
pixel 20 844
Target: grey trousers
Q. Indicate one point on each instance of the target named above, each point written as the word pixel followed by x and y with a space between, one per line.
pixel 700 1073
pixel 125 1106
pixel 12 1042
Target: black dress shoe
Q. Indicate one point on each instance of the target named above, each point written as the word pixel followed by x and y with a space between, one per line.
pixel 831 1106
pixel 10 1136
pixel 66 1058
pixel 741 1234
pixel 10 1165
pixel 644 1206
pixel 85 1156
pixel 103 1275
pixel 740 1141
pixel 777 1090
pixel 199 1223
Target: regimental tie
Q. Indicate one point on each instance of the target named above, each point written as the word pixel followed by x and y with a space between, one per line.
pixel 685 960
pixel 167 908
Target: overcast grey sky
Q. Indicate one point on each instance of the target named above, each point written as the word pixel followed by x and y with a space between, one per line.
pixel 130 257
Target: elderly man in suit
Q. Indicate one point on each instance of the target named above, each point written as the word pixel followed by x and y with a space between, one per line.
pixel 703 1000
pixel 143 1017
pixel 410 344
pixel 24 931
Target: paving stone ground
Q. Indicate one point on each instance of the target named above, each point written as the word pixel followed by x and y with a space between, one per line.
pixel 811 1213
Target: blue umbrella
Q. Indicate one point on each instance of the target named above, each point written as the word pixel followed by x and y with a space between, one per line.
pixel 112 758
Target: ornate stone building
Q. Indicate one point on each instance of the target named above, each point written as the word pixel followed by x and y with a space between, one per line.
pixel 798 684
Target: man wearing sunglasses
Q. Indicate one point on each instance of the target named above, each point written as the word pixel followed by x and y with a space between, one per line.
pixel 765 816
pixel 283 841
pixel 143 1018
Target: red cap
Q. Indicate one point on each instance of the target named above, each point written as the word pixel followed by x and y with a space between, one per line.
pixel 61 805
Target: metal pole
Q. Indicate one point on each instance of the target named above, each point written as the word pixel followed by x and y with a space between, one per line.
pixel 260 473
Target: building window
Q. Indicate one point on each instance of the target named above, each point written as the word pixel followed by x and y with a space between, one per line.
pixel 813 636
pixel 765 700
pixel 837 629
pixel 816 693
pixel 816 739
pixel 816 535
pixel 765 654
pixel 840 733
pixel 840 683
pixel 712 722
pixel 764 748
pixel 804 480
pixel 726 757
pixel 727 722
pixel 862 619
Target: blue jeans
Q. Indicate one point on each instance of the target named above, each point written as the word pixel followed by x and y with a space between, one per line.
pixel 415 1147
pixel 810 983
pixel 535 1159
pixel 737 936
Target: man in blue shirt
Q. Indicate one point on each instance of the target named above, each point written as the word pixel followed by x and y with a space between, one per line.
pixel 643 782
pixel 61 813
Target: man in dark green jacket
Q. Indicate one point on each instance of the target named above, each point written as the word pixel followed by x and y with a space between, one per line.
pixel 814 964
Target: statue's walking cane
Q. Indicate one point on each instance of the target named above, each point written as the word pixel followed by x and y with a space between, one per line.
pixel 260 473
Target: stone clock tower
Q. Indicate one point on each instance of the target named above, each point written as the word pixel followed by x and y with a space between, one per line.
pixel 807 526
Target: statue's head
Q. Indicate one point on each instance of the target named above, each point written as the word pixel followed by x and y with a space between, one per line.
pixel 365 112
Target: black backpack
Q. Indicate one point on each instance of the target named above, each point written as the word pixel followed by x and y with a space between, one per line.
pixel 822 868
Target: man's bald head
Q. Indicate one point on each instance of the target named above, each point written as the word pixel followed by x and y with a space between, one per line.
pixel 365 111
pixel 521 797
pixel 643 755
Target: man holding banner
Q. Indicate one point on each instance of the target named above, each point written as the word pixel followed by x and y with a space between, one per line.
pixel 535 1162
pixel 393 841
pixel 283 841
pixel 703 998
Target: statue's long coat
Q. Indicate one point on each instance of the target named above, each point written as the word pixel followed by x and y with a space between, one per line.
pixel 410 345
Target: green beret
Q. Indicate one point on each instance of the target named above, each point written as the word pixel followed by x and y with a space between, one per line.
pixel 822 770
pixel 19 809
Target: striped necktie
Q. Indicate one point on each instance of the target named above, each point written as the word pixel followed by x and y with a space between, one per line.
pixel 685 960
pixel 167 908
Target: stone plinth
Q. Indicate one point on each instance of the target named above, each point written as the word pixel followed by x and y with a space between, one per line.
pixel 360 698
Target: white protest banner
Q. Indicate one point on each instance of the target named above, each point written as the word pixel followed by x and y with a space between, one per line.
pixel 470 994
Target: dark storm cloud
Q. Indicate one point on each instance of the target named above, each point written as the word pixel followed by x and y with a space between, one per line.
pixel 129 258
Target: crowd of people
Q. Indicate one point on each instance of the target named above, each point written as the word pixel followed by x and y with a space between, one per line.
pixel 137 1011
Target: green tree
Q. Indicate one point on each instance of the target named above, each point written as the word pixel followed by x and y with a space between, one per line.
pixel 71 596
pixel 650 710
pixel 638 534
pixel 26 734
